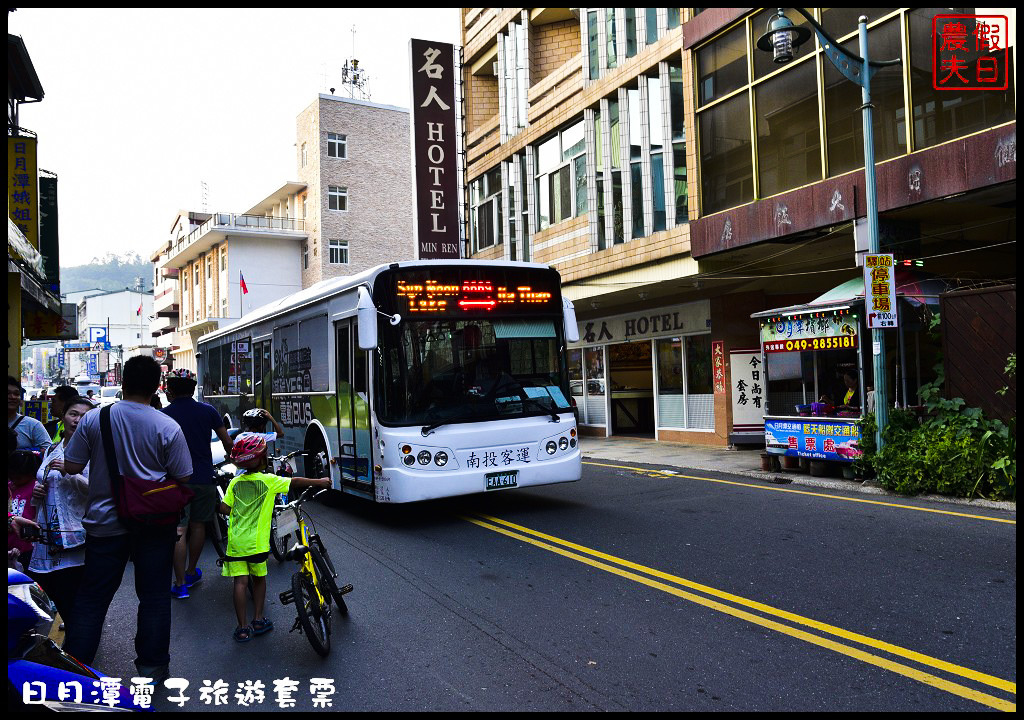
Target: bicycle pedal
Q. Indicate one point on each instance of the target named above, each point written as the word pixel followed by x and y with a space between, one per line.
pixel 346 590
pixel 287 597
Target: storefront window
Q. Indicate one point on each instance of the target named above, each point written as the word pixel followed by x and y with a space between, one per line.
pixel 788 138
pixel 593 388
pixel 727 172
pixel 685 394
pixel 574 360
pixel 671 410
pixel 844 124
pixel 721 66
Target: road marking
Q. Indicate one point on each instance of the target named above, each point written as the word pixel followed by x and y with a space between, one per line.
pixel 673 474
pixel 523 534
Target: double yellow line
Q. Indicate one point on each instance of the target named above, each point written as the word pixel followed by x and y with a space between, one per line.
pixel 675 585
pixel 774 488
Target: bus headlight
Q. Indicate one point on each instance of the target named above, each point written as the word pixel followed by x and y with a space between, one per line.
pixel 563 443
pixel 406 449
pixel 424 457
pixel 551 447
pixel 409 460
pixel 441 458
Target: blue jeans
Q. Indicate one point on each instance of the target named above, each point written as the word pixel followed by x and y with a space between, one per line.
pixel 151 549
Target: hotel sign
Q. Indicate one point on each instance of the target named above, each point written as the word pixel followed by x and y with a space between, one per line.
pixel 435 154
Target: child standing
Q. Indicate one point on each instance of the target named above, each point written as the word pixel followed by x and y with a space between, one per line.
pixel 250 501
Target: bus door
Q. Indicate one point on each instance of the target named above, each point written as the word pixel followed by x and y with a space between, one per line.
pixel 353 411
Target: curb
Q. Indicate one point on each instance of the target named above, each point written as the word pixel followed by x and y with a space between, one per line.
pixel 803 480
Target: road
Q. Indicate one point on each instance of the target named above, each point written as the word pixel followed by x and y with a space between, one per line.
pixel 634 589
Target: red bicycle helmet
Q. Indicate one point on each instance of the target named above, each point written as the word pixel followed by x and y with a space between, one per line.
pixel 248 446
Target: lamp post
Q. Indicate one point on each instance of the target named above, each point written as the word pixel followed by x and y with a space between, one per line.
pixel 783 39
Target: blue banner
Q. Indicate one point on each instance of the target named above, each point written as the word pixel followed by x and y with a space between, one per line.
pixel 815 439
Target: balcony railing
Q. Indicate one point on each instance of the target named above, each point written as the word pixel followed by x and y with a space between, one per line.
pixel 245 222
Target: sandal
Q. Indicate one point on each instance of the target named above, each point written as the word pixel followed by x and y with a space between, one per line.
pixel 262 626
pixel 243 634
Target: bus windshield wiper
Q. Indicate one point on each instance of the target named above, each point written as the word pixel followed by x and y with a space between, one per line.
pixel 427 429
pixel 540 406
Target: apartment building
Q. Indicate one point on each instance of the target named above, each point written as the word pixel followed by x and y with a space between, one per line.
pixel 350 209
pixel 681 181
pixel 218 266
pixel 354 159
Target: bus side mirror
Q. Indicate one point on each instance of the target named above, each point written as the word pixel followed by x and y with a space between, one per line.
pixel 367 314
pixel 572 330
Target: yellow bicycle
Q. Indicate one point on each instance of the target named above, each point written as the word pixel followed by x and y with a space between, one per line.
pixel 315 583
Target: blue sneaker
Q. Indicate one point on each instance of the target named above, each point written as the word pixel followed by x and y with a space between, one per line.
pixel 191 579
pixel 179 591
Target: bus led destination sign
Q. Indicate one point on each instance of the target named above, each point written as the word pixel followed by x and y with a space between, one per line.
pixel 432 296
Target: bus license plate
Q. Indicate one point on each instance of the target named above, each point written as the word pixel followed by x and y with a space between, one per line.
pixel 501 480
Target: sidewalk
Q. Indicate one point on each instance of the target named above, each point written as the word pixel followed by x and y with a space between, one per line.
pixel 746 462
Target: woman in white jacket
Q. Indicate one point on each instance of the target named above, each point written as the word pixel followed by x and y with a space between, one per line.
pixel 59 564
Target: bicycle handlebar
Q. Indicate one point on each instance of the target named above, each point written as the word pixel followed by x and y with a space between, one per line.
pixel 303 497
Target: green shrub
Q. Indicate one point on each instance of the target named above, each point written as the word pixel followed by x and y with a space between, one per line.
pixel 955 450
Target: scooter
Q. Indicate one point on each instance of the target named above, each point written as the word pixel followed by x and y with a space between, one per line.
pixel 40 675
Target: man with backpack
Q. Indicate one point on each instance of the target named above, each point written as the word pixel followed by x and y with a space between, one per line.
pixel 147 447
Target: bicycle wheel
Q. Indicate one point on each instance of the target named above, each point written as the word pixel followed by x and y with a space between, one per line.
pixel 278 545
pixel 219 536
pixel 314 619
pixel 325 569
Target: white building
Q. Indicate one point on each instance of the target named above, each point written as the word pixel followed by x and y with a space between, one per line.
pixel 200 270
pixel 119 319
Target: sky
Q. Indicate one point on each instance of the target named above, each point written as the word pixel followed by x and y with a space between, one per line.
pixel 142 106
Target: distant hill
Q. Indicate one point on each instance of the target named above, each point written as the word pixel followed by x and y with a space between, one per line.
pixel 111 272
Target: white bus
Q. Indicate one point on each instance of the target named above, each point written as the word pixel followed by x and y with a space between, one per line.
pixel 411 381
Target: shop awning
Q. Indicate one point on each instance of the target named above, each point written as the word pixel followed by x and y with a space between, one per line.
pixel 915 287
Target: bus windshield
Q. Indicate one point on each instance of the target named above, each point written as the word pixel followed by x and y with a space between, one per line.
pixel 447 370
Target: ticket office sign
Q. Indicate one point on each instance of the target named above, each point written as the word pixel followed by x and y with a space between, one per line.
pixel 822 333
pixel 836 441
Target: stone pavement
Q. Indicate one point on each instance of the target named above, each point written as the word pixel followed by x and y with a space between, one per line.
pixel 745 461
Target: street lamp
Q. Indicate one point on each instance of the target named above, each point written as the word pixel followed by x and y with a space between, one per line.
pixel 783 38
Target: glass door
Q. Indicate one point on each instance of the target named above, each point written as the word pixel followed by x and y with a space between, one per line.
pixel 353 415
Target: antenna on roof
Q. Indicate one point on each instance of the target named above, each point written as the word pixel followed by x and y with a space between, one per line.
pixel 354 77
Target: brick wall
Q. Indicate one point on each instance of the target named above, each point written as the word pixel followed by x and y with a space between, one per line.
pixel 551 45
pixel 481 100
pixel 378 224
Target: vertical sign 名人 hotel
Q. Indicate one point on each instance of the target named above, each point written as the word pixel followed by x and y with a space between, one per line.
pixel 880 291
pixel 22 187
pixel 435 167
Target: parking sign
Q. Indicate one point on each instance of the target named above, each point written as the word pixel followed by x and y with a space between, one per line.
pixel 880 291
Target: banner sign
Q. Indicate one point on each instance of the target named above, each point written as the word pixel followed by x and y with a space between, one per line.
pixel 880 291
pixel 435 154
pixel 809 333
pixel 718 363
pixel 23 187
pixel 834 440
pixel 748 390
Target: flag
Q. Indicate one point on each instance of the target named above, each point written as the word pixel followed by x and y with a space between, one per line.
pixel 139 311
pixel 241 280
